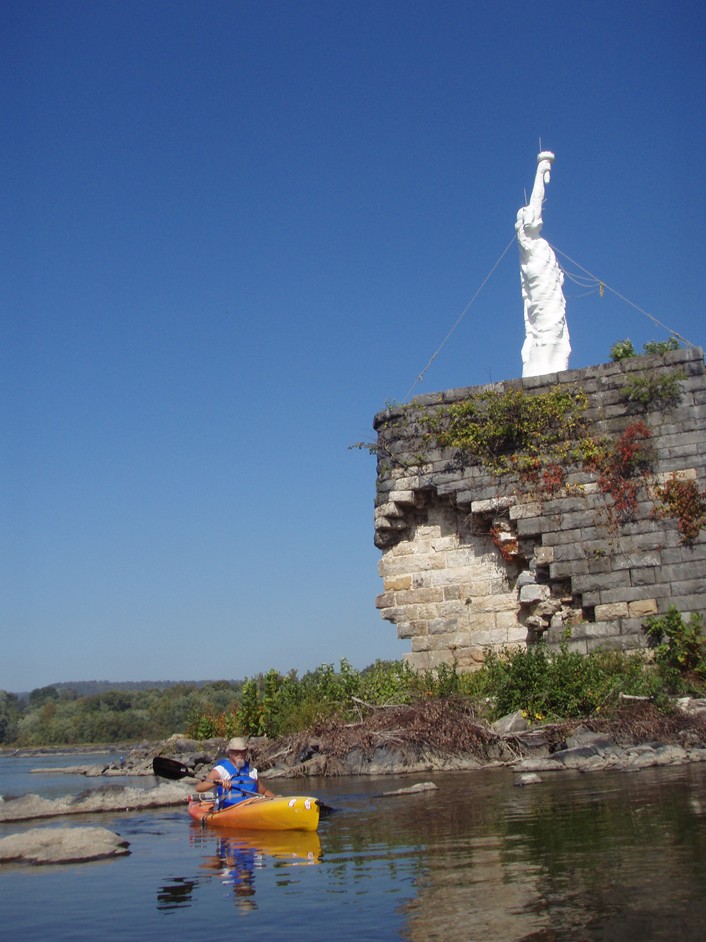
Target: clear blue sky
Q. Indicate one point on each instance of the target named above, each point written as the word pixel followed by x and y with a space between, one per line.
pixel 233 231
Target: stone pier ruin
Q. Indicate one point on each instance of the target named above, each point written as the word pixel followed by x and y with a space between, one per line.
pixel 492 544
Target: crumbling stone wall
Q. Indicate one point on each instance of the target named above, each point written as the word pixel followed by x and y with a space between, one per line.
pixel 472 560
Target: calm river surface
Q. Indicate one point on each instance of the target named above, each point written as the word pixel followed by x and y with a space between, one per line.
pixel 601 856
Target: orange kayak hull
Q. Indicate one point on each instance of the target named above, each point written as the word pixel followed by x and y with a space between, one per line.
pixel 288 813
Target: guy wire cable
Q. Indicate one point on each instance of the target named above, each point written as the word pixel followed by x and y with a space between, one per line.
pixel 598 282
pixel 458 320
pixel 603 285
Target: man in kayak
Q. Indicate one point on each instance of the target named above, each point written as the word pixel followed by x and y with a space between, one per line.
pixel 233 778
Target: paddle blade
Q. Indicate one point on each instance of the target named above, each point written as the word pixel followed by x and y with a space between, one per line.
pixel 170 768
pixel 325 810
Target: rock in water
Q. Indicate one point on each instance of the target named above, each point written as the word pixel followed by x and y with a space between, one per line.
pixel 62 845
pixel 412 789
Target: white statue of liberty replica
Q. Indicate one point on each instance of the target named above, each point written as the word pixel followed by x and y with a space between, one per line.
pixel 546 348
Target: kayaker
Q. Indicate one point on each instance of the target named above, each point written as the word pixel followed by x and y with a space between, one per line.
pixel 233 778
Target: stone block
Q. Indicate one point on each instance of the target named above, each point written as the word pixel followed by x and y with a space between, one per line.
pixel 569 569
pixel 387 524
pixel 684 572
pixel 445 577
pixel 580 646
pixel 397 583
pixel 685 474
pixel 531 526
pixel 438 626
pixel 635 628
pixel 385 600
pixel 419 596
pixel 516 634
pixel 565 505
pixel 502 603
pixel 486 637
pixel 544 555
pixel 506 621
pixel 611 612
pixel 563 538
pixel 628 560
pixel 530 594
pixel 644 576
pixel 687 587
pixel 390 509
pixel 612 643
pixel 594 629
pixel 642 608
pixel 562 552
pixel 493 505
pixel 633 594
pixel 600 581
pixel 407 630
pixel 690 603
pixel 525 510
pixel 684 554
pixel 598 564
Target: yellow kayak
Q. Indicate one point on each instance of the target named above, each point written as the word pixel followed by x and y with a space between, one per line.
pixel 287 813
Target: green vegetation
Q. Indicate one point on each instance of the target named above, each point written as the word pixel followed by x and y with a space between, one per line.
pixel 544 684
pixel 553 685
pixel 275 705
pixel 660 347
pixel 624 349
pixel 539 436
pixel 56 715
pixel 512 430
pixel 655 390
pixel 679 651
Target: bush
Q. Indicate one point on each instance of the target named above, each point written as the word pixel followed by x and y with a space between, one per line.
pixel 660 347
pixel 654 391
pixel 679 650
pixel 558 685
pixel 622 350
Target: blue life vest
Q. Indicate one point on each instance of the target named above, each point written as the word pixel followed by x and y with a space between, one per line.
pixel 242 782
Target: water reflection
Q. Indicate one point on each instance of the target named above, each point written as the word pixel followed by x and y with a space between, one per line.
pixel 235 857
pixel 577 857
pixel 600 857
pixel 176 894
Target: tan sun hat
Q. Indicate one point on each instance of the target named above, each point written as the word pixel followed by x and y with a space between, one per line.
pixel 238 744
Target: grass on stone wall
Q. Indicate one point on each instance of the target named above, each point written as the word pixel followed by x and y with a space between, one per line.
pixel 510 429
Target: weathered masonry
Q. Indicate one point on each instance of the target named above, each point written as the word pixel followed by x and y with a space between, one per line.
pixel 575 541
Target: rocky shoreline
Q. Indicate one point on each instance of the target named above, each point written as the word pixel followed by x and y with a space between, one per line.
pixel 403 741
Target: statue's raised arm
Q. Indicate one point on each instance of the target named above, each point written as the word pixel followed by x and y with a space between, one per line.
pixel 546 348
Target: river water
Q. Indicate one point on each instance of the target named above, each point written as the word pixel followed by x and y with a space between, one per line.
pixel 602 856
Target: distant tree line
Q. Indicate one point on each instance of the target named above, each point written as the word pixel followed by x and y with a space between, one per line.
pixel 65 714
